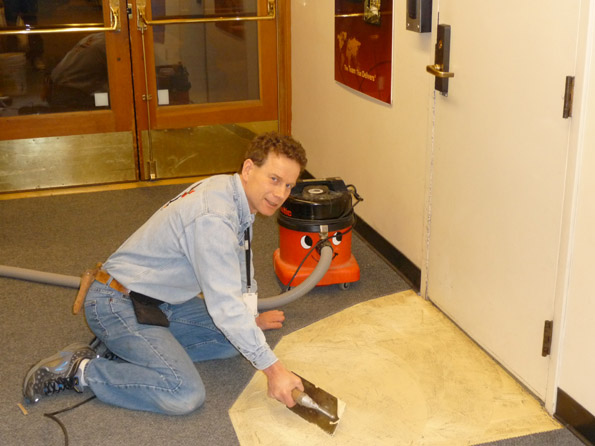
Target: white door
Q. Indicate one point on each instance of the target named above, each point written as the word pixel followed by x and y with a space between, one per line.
pixel 499 162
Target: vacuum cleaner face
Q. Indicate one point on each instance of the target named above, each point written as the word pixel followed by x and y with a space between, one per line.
pixel 316 210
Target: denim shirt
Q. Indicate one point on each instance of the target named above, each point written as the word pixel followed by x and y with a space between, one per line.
pixel 193 244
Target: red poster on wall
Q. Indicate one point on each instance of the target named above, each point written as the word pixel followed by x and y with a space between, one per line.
pixel 363 46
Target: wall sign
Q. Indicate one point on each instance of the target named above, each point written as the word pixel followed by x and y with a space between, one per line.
pixel 363 46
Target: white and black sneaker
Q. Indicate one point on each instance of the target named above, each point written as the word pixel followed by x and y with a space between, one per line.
pixel 56 373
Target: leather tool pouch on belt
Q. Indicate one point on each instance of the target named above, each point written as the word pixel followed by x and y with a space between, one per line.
pixel 147 310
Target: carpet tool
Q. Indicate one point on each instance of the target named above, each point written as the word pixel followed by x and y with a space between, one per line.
pixel 318 407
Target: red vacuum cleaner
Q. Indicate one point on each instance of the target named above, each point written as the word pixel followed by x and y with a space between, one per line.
pixel 317 213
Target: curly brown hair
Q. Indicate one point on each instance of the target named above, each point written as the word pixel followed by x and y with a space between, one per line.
pixel 262 145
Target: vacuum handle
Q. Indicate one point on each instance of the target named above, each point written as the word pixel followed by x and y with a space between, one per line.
pixel 351 188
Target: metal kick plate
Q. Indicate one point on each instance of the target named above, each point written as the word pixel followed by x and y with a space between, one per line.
pixel 204 150
pixel 42 163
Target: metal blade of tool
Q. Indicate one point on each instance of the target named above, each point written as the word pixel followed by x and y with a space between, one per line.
pixel 327 402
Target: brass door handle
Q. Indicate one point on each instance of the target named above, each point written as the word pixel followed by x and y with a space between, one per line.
pixel 144 22
pixel 73 27
pixel 436 70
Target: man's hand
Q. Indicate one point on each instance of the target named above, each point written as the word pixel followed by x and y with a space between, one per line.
pixel 281 382
pixel 270 320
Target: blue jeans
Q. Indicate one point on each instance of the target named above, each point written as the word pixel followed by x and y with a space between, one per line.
pixel 156 370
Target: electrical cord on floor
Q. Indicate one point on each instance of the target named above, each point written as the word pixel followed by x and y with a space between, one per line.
pixel 52 416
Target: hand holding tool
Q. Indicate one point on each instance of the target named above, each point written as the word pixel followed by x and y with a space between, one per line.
pixel 317 406
pixel 303 399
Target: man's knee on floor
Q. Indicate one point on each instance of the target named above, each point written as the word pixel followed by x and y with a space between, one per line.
pixel 184 400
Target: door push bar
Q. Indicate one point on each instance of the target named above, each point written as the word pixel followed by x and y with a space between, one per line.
pixel 144 22
pixel 72 27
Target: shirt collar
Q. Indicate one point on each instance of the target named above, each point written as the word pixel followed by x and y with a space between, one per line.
pixel 239 196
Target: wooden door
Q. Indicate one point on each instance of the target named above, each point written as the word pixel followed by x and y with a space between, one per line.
pixel 49 137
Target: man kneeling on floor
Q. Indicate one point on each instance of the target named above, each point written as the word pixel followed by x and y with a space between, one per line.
pixel 143 305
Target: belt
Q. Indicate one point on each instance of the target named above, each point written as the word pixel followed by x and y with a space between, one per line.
pixel 104 277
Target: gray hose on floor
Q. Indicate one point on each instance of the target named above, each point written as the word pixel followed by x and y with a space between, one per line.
pixel 40 276
pixel 267 303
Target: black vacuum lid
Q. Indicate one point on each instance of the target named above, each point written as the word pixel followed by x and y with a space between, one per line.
pixel 317 201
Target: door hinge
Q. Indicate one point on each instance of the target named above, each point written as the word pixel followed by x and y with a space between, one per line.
pixel 568 97
pixel 548 331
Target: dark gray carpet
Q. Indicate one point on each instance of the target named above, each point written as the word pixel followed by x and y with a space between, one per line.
pixel 66 234
pixel 561 437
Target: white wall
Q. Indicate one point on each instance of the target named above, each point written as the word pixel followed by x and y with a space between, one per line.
pixel 379 148
pixel 382 149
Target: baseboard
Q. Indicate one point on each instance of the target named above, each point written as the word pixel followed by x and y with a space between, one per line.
pixel 575 417
pixel 406 269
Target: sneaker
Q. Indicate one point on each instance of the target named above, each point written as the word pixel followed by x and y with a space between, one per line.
pixel 101 349
pixel 56 373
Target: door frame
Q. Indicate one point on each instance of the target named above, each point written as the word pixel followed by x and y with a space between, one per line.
pixel 584 81
pixel 284 64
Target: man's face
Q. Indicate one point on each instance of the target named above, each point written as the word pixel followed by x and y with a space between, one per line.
pixel 269 185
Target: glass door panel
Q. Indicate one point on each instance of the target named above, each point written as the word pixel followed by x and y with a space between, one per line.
pixel 62 65
pixel 53 72
pixel 200 64
pixel 211 71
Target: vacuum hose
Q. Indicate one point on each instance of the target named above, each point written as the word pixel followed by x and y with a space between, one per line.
pixel 268 303
pixel 326 255
pixel 40 276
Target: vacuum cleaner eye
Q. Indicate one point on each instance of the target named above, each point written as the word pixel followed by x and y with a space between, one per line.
pixel 337 237
pixel 306 242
